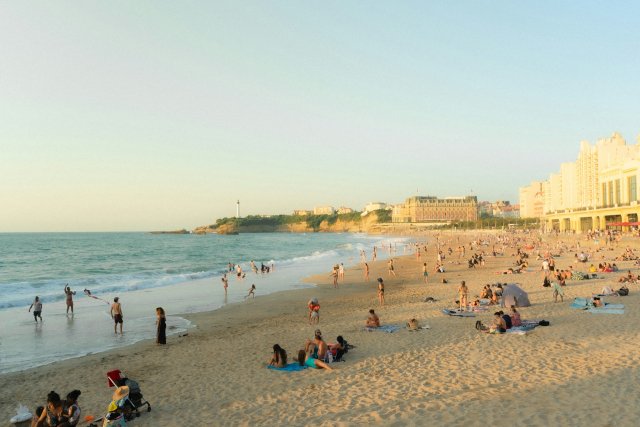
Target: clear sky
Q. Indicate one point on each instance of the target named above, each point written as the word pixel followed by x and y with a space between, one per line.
pixel 160 114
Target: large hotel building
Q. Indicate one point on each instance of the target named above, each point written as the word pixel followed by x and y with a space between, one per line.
pixel 432 209
pixel 599 188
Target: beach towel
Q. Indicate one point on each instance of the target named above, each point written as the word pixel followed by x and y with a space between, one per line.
pixel 456 313
pixel 419 328
pixel 580 303
pixel 605 310
pixel 384 328
pixel 291 367
pixel 521 330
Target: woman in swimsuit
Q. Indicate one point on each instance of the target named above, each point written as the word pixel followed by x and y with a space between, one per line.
pixel 303 360
pixel 161 335
pixel 69 294
pixel 381 291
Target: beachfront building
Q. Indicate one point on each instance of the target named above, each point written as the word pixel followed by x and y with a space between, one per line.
pixel 302 212
pixel 324 210
pixel 375 206
pixel 344 210
pixel 498 209
pixel 599 188
pixel 433 209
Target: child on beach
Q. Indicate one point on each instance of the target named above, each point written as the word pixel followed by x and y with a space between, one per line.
pixel 380 291
pixel 314 311
pixel 72 409
pixel 425 273
pixel 37 309
pixel 252 292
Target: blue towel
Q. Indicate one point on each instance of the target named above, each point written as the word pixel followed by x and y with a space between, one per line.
pixel 605 310
pixel 291 367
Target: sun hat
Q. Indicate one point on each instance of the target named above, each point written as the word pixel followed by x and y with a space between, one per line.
pixel 121 393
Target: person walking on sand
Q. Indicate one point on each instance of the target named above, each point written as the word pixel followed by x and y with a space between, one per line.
pixel 37 309
pixel 161 322
pixel 463 295
pixel 69 295
pixel 391 268
pixel 557 292
pixel 341 271
pixel 116 314
pixel 366 272
pixel 252 292
pixel 425 273
pixel 380 291
pixel 334 275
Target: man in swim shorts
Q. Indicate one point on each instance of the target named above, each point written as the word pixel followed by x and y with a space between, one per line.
pixel 116 313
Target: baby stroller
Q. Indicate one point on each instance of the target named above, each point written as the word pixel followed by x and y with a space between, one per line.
pixel 134 401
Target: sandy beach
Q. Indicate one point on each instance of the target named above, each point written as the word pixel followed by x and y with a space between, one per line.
pixel 581 370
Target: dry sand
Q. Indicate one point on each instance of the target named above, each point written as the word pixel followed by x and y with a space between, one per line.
pixel 582 370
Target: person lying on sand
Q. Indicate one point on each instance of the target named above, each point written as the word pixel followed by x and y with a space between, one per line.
pixel 303 360
pixel 373 321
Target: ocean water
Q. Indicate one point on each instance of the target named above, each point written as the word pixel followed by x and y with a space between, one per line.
pixel 178 272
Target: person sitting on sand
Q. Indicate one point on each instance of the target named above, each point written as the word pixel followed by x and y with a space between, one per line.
pixel 279 357
pixel 515 317
pixel 303 360
pixel 53 414
pixel 72 409
pixel 373 321
pixel 498 326
pixel 316 348
pixel 592 269
pixel 507 319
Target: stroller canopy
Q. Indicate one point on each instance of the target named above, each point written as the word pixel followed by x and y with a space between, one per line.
pixel 513 294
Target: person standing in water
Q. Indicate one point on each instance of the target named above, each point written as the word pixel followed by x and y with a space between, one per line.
pixel 37 309
pixel 225 283
pixel 116 313
pixel 375 254
pixel 69 294
pixel 161 336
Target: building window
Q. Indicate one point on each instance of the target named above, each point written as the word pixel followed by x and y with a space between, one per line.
pixel 633 193
pixel 604 194
pixel 610 191
pixel 617 191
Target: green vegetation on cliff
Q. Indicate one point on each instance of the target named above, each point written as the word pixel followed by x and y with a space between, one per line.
pixel 313 222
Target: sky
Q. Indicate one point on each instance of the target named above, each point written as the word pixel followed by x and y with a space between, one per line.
pixel 159 115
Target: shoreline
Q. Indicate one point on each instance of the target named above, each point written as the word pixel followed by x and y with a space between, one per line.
pixel 449 373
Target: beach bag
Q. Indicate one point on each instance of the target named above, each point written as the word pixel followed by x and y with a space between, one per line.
pixel 546 283
pixel 623 292
pixel 544 323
